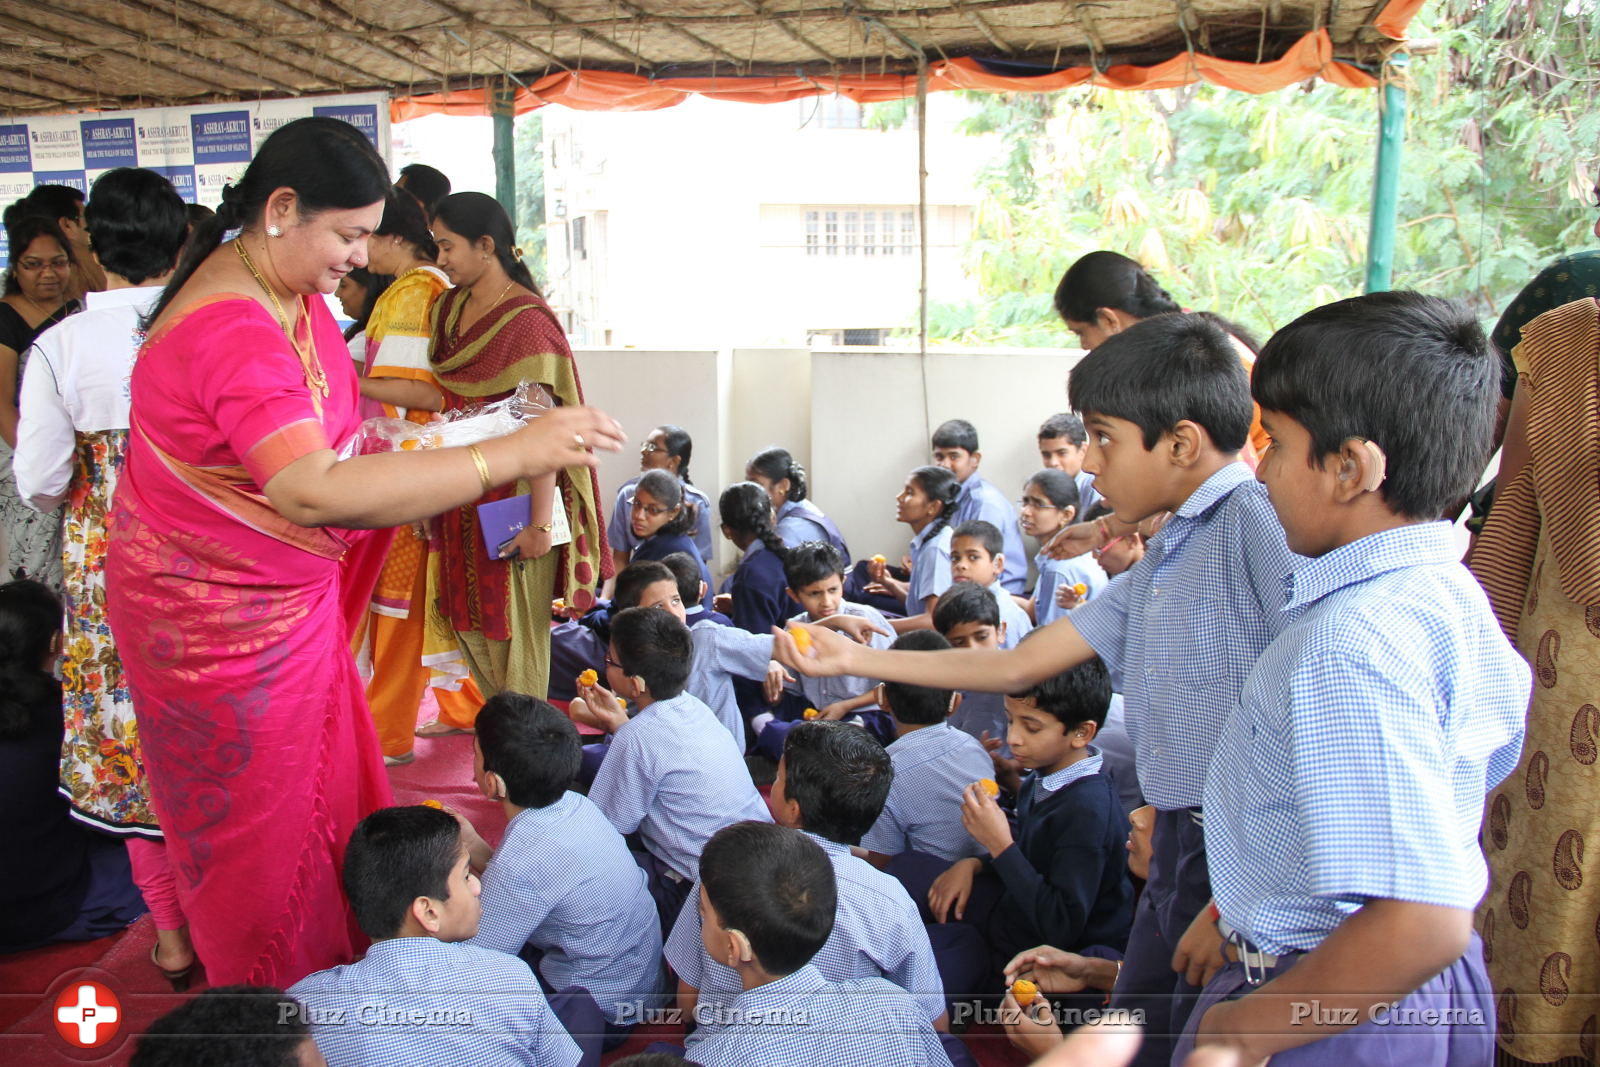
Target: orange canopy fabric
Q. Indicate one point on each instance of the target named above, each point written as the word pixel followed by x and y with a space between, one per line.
pixel 597 90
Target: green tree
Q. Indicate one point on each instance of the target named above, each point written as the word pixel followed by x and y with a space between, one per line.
pixel 1257 207
pixel 528 138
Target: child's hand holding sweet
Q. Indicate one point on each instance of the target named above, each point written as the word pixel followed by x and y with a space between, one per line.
pixel 951 889
pixel 834 712
pixel 597 706
pixel 1056 971
pixel 817 652
pixel 1032 1029
pixel 984 820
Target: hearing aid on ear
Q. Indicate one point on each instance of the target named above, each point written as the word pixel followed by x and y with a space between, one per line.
pixel 1377 465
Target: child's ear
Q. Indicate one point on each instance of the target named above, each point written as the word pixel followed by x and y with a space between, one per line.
pixel 700 598
pixel 496 784
pixel 1001 631
pixel 1362 467
pixel 1000 560
pixel 955 703
pixel 739 950
pixel 425 910
pixel 880 693
pixel 1186 442
pixel 1069 515
pixel 791 595
pixel 1084 734
pixel 977 457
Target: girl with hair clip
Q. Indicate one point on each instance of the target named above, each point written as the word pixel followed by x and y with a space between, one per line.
pixel 663 519
pixel 924 505
pixel 398 382
pixel 233 569
pixel 490 334
pixel 758 593
pixel 799 519
pixel 667 448
pixel 68 883
pixel 1048 506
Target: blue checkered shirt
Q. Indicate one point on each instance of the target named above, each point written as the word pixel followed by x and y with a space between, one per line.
pixel 980 500
pixel 674 774
pixel 721 654
pixel 1018 625
pixel 414 1000
pixel 821 692
pixel 562 881
pixel 1366 739
pixel 804 1020
pixel 982 713
pixel 1055 573
pixel 930 567
pixel 1049 783
pixel 619 531
pixel 877 932
pixel 1180 630
pixel 933 765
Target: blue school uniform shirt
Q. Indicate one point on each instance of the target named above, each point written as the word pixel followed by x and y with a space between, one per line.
pixel 980 500
pixel 470 1005
pixel 824 691
pixel 801 520
pixel 721 654
pixel 1055 573
pixel 1018 625
pixel 1365 741
pixel 802 1020
pixel 877 932
pixel 980 713
pixel 760 590
pixel 563 881
pixel 619 531
pixel 930 567
pixel 1180 630
pixel 659 546
pixel 933 766
pixel 673 773
pixel 1088 496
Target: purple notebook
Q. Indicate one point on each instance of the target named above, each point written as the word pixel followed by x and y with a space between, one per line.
pixel 501 520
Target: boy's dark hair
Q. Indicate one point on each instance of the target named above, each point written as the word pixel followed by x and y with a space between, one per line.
pixel 986 534
pixel 649 1059
pixel 1411 373
pixel 1162 371
pixel 636 577
pixel 668 490
pixel 686 569
pixel 775 464
pixel 655 646
pixel 956 433
pixel 746 509
pixel 1065 424
pixel 1109 280
pixel 198 213
pixel 1082 694
pixel 425 183
pixel 965 602
pixel 811 561
pixel 30 696
pixel 531 745
pixel 137 223
pixel 839 775
pixel 229 1026
pixel 1233 329
pixel 774 885
pixel 1058 487
pixel 395 856
pixel 54 202
pixel 918 705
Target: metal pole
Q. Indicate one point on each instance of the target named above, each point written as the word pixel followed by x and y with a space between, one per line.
pixel 922 204
pixel 1386 179
pixel 505 158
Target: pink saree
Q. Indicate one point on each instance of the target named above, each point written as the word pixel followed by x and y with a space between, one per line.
pixel 260 751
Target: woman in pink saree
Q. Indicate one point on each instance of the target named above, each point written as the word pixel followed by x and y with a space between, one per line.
pixel 230 537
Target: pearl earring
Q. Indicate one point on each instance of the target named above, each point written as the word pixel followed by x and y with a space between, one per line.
pixel 273 231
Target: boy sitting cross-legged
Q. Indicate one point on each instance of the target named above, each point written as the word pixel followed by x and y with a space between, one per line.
pixel 562 889
pixel 421 995
pixel 765 909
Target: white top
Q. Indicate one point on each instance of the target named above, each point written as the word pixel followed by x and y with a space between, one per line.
pixel 76 381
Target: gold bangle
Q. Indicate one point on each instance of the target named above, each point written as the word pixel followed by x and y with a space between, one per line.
pixel 483 467
pixel 546 527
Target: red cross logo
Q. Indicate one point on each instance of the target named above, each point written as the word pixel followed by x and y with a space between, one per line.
pixel 87 1014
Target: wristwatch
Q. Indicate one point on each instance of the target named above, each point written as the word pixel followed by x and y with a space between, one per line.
pixel 543 527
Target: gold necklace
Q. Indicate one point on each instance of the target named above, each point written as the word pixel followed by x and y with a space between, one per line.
pixel 316 377
pixel 493 303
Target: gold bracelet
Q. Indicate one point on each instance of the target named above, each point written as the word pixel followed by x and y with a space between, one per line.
pixel 546 527
pixel 483 467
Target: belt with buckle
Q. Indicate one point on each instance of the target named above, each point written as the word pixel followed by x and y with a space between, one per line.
pixel 1257 964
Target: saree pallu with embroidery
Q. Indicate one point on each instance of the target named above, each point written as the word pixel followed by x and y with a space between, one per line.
pixel 516 341
pixel 260 752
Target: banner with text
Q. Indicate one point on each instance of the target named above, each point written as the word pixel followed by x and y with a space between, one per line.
pixel 199 149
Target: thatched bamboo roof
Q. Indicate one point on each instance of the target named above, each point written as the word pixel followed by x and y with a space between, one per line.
pixel 84 54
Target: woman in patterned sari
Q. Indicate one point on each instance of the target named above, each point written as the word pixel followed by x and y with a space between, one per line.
pixel 397 375
pixel 70 448
pixel 225 565
pixel 491 333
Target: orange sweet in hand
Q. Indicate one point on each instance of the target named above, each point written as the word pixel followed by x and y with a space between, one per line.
pixel 811 713
pixel 1024 991
pixel 880 559
pixel 431 803
pixel 989 786
pixel 1079 589
pixel 802 638
pixel 588 677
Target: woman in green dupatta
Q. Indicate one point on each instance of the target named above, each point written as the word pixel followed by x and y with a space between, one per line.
pixel 491 333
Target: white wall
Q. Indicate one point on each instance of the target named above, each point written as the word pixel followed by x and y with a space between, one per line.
pixel 854 418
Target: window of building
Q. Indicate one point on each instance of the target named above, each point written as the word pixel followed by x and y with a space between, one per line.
pixel 580 249
pixel 860 231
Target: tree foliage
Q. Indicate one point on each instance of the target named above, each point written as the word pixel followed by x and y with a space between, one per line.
pixel 1257 207
pixel 528 139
